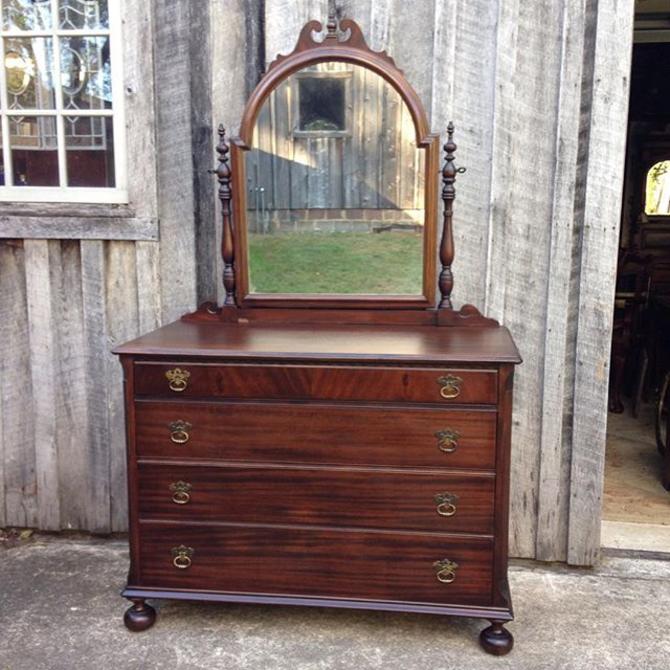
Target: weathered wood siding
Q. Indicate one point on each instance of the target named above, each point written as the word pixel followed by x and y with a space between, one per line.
pixel 538 92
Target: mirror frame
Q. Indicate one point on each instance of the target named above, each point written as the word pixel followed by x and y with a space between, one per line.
pixel 343 42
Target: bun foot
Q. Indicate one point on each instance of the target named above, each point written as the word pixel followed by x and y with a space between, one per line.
pixel 496 639
pixel 140 616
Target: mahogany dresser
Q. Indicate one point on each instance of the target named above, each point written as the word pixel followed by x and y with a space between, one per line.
pixel 340 450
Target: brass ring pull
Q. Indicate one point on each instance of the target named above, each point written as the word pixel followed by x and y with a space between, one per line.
pixel 450 386
pixel 446 504
pixel 181 492
pixel 179 431
pixel 445 570
pixel 182 557
pixel 447 440
pixel 177 379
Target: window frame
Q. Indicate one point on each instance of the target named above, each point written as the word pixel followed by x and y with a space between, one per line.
pixel 117 194
pixel 653 216
pixel 295 97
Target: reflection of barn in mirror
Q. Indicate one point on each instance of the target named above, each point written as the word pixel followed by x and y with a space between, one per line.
pixel 335 187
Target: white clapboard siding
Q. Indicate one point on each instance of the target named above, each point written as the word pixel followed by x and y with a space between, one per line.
pixel 538 92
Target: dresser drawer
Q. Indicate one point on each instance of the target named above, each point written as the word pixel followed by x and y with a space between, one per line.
pixel 317 433
pixel 316 496
pixel 382 384
pixel 326 563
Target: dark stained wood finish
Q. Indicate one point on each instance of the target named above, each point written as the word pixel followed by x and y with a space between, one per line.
pixel 328 343
pixel 350 47
pixel 317 434
pixel 139 616
pixel 496 639
pixel 317 562
pixel 312 462
pixel 319 383
pixel 225 195
pixel 446 279
pixel 361 498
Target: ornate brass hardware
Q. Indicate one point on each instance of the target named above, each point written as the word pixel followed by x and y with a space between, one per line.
pixel 445 570
pixel 179 431
pixel 182 557
pixel 181 492
pixel 178 379
pixel 446 503
pixel 450 386
pixel 447 440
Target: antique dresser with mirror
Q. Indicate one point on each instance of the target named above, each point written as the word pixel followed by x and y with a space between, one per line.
pixel 334 433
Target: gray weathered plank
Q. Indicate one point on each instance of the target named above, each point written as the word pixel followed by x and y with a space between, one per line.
pixel 174 158
pixel 70 389
pixel 523 189
pixel 229 86
pixel 465 38
pixel 554 467
pixel 140 106
pixel 97 387
pixel 607 105
pixel 148 286
pixel 121 294
pixel 43 353
pixel 78 227
pixel 17 428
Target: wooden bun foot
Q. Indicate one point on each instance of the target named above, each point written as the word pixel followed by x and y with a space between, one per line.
pixel 140 616
pixel 496 639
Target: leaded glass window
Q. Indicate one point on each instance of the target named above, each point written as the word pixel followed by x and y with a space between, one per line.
pixel 61 101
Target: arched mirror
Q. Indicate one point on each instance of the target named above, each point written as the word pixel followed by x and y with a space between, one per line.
pixel 335 177
pixel 335 187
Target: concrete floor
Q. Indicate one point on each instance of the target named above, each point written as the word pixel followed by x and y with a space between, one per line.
pixel 60 609
pixel 633 489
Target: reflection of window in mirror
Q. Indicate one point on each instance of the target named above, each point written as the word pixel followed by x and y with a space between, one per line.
pixel 657 198
pixel 322 101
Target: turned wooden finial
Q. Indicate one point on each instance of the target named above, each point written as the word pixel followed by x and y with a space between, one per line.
pixel 223 174
pixel 331 23
pixel 449 171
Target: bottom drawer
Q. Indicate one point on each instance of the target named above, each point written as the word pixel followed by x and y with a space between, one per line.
pixel 327 563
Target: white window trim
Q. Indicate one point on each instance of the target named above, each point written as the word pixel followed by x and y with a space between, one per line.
pixel 112 195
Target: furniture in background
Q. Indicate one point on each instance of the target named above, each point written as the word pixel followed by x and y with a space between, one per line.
pixel 629 331
pixel 332 434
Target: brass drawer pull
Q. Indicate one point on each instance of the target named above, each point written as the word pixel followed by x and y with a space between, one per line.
pixel 445 570
pixel 182 557
pixel 446 503
pixel 450 386
pixel 181 492
pixel 179 431
pixel 447 440
pixel 178 379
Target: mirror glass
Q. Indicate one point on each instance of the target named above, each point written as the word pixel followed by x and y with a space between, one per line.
pixel 335 187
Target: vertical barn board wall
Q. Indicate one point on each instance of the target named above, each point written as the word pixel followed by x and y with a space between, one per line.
pixel 538 92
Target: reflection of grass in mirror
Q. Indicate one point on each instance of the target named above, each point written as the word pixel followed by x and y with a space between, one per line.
pixel 388 262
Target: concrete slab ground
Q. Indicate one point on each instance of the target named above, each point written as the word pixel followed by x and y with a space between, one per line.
pixel 60 609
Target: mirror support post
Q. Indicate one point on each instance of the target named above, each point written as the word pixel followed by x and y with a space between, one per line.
pixel 449 171
pixel 223 174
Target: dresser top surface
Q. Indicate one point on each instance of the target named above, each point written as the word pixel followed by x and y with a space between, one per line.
pixel 327 342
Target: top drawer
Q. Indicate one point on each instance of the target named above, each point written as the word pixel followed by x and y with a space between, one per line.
pixel 315 382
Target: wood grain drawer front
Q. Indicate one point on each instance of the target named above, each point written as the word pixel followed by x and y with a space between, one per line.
pixel 318 434
pixel 354 498
pixel 383 384
pixel 311 562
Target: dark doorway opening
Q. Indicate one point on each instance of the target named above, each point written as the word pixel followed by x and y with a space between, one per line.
pixel 636 504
